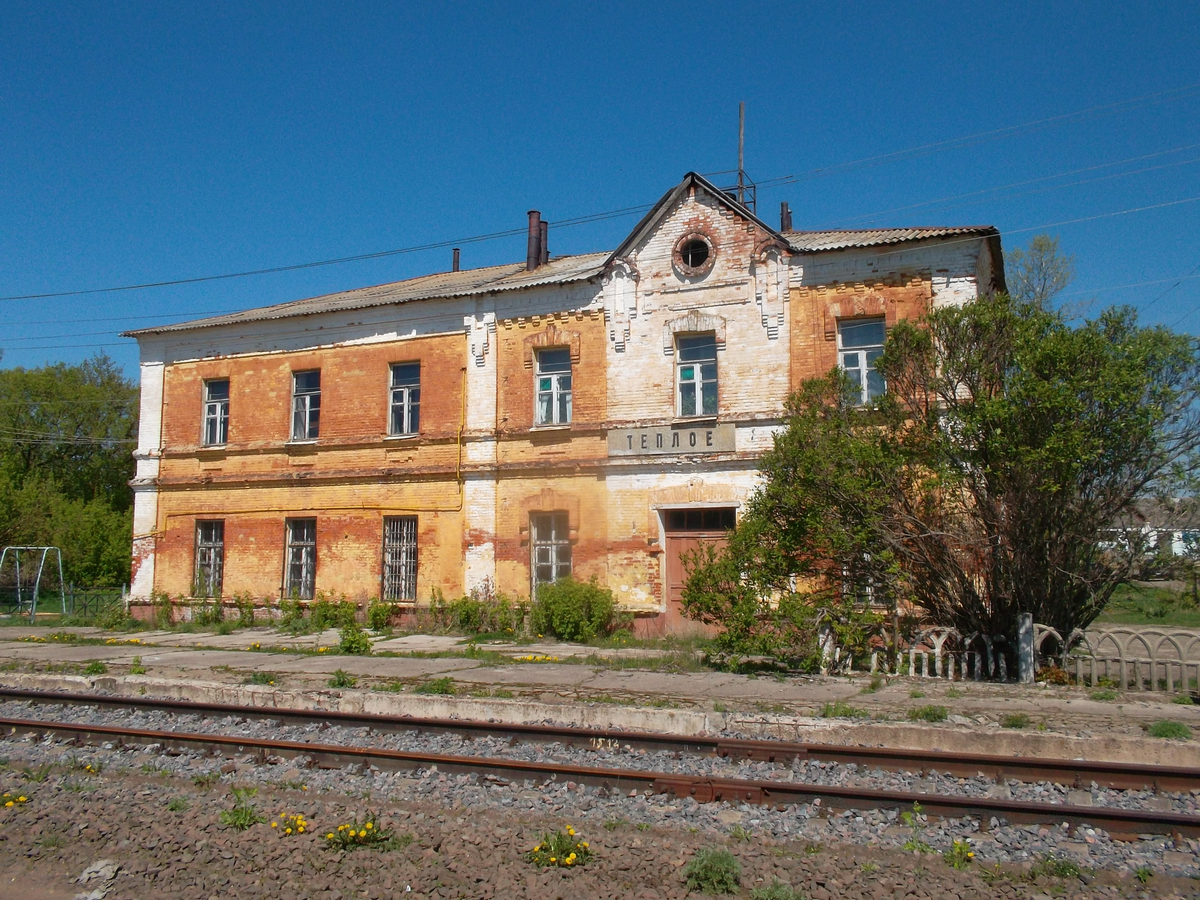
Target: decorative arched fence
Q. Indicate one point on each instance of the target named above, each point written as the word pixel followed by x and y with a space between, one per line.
pixel 1122 657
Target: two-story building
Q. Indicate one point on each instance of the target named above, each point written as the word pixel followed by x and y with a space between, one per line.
pixel 593 415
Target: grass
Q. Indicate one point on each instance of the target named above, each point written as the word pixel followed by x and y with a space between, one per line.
pixel 1104 694
pixel 207 780
pixel 1170 729
pixel 1143 874
pixel 872 686
pixel 928 714
pixel 243 814
pixel 95 668
pixel 443 685
pixel 1184 700
pixel 263 678
pixel 1014 720
pixel 777 891
pixel 713 871
pixel 955 693
pixel 1056 867
pixel 177 804
pixel 342 679
pixel 916 695
pixel 841 710
pixel 1133 604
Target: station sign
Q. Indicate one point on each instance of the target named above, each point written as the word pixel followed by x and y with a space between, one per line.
pixel 672 440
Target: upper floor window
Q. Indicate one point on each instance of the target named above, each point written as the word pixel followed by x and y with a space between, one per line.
pixel 860 341
pixel 216 411
pixel 554 387
pixel 406 399
pixel 306 405
pixel 696 374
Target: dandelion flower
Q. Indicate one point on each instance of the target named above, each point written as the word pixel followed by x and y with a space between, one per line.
pixel 300 829
pixel 22 799
pixel 369 826
pixel 9 803
pixel 329 837
pixel 274 824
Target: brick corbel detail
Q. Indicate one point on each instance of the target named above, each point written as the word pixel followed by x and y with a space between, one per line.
pixel 553 336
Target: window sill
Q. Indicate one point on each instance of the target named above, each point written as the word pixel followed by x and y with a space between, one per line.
pixel 401 437
pixel 300 446
pixel 566 427
pixel 694 420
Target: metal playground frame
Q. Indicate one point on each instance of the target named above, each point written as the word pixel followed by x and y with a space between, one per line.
pixel 37 581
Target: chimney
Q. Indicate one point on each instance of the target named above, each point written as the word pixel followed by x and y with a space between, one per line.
pixel 785 217
pixel 544 256
pixel 533 246
pixel 454 265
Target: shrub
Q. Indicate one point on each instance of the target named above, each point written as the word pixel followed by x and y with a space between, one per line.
pixel 479 613
pixel 115 617
pixel 164 611
pixel 573 611
pixel 326 613
pixel 291 614
pixel 1183 700
pixel 1014 720
pixel 208 613
pixel 928 714
pixel 379 615
pixel 245 607
pixel 354 640
pixel 713 871
pixel 1053 674
pixel 1168 728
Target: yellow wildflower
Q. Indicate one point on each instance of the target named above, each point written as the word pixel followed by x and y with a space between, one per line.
pixel 9 803
pixel 274 824
pixel 369 825
pixel 300 829
pixel 329 836
pixel 22 799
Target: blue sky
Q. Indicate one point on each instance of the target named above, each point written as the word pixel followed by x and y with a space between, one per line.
pixel 142 144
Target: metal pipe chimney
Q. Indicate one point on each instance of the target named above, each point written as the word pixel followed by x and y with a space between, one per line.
pixel 457 258
pixel 785 217
pixel 544 254
pixel 533 246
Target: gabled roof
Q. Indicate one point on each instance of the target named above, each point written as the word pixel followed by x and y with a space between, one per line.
pixel 664 206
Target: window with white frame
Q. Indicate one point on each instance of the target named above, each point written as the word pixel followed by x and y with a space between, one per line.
pixel 860 342
pixel 210 558
pixel 553 386
pixel 406 399
pixel 399 558
pixel 550 547
pixel 216 412
pixel 696 374
pixel 306 405
pixel 300 560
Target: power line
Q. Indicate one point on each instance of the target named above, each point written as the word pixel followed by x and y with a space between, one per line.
pixel 926 149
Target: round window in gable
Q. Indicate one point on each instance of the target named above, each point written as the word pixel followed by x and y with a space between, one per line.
pixel 694 255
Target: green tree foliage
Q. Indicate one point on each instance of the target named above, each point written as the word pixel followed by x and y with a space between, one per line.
pixel 1036 275
pixel 67 434
pixel 982 485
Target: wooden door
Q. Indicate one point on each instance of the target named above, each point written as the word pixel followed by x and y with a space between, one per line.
pixel 686 530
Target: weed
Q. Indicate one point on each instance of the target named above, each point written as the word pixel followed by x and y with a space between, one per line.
pixel 379 616
pixel 342 679
pixel 39 774
pixel 840 710
pixel 136 667
pixel 242 814
pixel 959 855
pixel 354 641
pixel 916 695
pixel 614 824
pixel 95 668
pixel 738 833
pixel 777 891
pixel 1143 874
pixel 443 685
pixel 1104 694
pixel 713 871
pixel 780 709
pixel 928 714
pixel 911 818
pixel 873 685
pixel 1183 700
pixel 10 801
pixel 719 707
pixel 178 804
pixel 955 693
pixel 503 694
pixel 643 826
pixel 1056 867
pixel 563 848
pixel 207 780
pixel 916 845
pixel 869 867
pixel 293 785
pixel 1014 720
pixel 52 841
pixel 152 769
pixel 812 849
pixel 1169 728
pixel 293 823
pixel 369 834
pixel 263 678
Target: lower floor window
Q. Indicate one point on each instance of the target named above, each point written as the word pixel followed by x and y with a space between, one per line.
pixel 300 564
pixel 399 558
pixel 210 559
pixel 550 547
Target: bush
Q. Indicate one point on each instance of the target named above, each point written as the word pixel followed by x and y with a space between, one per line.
pixel 1167 728
pixel 354 640
pixel 326 613
pixel 379 615
pixel 245 606
pixel 115 617
pixel 574 611
pixel 164 611
pixel 208 613
pixel 480 613
pixel 291 614
pixel 713 872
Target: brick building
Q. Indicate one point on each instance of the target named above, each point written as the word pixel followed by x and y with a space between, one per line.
pixel 594 414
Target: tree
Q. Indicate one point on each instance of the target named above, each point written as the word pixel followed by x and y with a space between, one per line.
pixel 66 438
pixel 1040 273
pixel 981 485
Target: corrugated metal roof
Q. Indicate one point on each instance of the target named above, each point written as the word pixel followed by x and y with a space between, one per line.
pixel 560 270
pixel 811 241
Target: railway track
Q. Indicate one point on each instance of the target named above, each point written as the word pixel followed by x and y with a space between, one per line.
pixel 1118 822
pixel 1076 773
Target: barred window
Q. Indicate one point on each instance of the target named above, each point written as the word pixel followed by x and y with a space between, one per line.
pixel 550 547
pixel 210 558
pixel 399 558
pixel 406 399
pixel 216 412
pixel 306 405
pixel 300 561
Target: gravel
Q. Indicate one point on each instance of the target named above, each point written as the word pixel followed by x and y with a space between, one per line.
pixel 516 807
